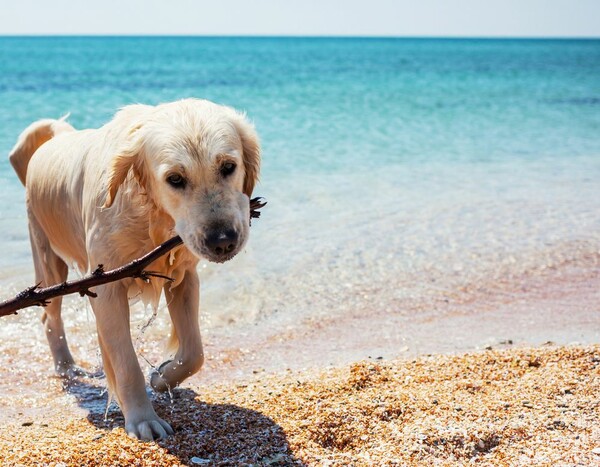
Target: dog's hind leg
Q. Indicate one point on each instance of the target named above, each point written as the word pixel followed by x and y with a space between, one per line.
pixel 183 303
pixel 50 270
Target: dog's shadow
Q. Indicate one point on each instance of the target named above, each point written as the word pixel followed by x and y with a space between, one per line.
pixel 211 434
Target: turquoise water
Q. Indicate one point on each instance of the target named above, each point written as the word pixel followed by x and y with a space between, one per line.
pixel 399 160
pixel 322 104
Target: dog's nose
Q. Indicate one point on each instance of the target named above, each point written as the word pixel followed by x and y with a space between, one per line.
pixel 222 242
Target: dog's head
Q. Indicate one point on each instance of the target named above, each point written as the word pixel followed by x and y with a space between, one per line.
pixel 198 162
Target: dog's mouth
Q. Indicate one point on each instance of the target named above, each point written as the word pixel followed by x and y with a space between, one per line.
pixel 219 259
pixel 217 246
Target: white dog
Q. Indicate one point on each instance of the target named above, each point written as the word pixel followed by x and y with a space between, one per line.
pixel 109 195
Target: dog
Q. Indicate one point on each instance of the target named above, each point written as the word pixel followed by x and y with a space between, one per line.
pixel 109 195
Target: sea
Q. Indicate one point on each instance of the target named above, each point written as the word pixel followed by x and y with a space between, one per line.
pixel 399 172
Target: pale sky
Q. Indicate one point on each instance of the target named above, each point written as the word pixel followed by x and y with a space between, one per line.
pixel 489 18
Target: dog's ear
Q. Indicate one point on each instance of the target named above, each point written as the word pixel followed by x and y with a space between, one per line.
pixel 129 158
pixel 251 153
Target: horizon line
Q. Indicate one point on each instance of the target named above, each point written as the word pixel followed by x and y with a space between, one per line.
pixel 296 36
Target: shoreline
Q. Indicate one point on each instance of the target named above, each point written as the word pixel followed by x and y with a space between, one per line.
pixel 272 394
pixel 560 306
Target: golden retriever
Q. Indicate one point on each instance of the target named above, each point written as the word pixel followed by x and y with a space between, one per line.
pixel 109 195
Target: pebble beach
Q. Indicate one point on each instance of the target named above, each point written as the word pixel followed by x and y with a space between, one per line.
pixel 516 407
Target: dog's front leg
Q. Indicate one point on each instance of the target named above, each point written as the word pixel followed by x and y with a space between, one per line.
pixel 123 373
pixel 183 303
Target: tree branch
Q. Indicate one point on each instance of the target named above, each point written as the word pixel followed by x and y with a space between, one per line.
pixel 35 295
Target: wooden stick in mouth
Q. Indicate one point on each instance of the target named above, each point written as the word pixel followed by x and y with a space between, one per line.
pixel 36 296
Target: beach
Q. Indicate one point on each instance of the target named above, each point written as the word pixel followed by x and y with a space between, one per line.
pixel 421 288
pixel 457 385
pixel 517 407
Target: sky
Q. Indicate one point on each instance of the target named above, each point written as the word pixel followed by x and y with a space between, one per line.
pixel 454 18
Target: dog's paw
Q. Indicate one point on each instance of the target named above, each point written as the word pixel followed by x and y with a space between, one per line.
pixel 171 373
pixel 70 371
pixel 150 429
pixel 158 381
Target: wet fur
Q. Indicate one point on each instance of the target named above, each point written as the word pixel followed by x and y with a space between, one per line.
pixel 100 197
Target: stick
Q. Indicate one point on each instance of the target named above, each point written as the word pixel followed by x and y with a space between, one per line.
pixel 35 296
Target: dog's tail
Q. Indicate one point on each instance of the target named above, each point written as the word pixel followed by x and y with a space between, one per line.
pixel 32 138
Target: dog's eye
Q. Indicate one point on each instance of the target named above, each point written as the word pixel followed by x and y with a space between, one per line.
pixel 176 181
pixel 227 169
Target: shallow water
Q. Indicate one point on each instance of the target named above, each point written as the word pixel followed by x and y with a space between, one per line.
pixel 399 173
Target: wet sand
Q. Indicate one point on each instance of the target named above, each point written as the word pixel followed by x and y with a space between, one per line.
pixel 276 394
